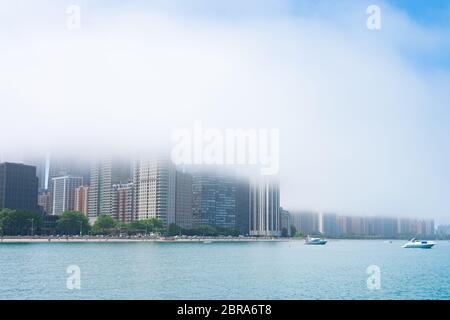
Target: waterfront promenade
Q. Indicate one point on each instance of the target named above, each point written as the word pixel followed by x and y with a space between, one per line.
pixel 92 239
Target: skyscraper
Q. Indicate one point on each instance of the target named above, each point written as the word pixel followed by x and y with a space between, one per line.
pixel 104 174
pixel 122 199
pixel 306 222
pixel 214 198
pixel 63 193
pixel 243 206
pixel 264 208
pixel 18 187
pixel 183 201
pixel 154 188
pixel 81 199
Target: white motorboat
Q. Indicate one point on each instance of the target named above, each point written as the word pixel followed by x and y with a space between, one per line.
pixel 419 244
pixel 315 241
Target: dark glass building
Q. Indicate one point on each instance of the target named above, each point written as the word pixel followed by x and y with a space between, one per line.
pixel 243 206
pixel 18 187
pixel 216 201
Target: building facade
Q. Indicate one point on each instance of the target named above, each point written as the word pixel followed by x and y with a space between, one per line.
pixel 214 198
pixel 306 222
pixel 104 174
pixel 183 201
pixel 18 187
pixel 63 193
pixel 154 181
pixel 122 199
pixel 81 199
pixel 265 208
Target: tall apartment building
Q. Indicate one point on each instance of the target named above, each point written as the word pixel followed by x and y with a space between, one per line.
pixel 264 208
pixel 329 224
pixel 154 181
pixel 306 222
pixel 18 187
pixel 105 174
pixel 81 199
pixel 183 201
pixel 63 193
pixel 122 199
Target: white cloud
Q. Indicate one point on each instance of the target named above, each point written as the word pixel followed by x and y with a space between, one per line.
pixel 362 129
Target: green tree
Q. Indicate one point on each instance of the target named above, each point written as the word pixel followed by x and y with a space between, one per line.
pixel 174 230
pixel 104 224
pixel 146 226
pixel 19 223
pixel 293 231
pixel 284 232
pixel 72 222
pixel 207 230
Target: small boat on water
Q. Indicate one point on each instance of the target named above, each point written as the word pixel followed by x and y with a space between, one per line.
pixel 315 241
pixel 418 244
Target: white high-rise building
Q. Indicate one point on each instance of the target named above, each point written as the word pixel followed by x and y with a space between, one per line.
pixel 63 193
pixel 265 217
pixel 154 189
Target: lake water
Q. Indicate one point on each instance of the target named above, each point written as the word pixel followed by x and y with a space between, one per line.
pixel 249 270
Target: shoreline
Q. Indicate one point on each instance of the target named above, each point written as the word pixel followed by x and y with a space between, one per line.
pixel 126 240
pixel 163 239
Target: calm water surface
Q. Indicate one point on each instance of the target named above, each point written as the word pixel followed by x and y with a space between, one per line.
pixel 250 270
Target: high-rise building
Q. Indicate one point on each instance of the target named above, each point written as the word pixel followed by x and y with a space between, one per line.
pixel 154 188
pixel 45 202
pixel 67 165
pixel 329 224
pixel 429 228
pixel 104 174
pixel 122 199
pixel 18 187
pixel 285 217
pixel 63 193
pixel 264 208
pixel 243 206
pixel 306 222
pixel 443 230
pixel 382 226
pixel 81 199
pixel 183 201
pixel 214 198
pixel 38 161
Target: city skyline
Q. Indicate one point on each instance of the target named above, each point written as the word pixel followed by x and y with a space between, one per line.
pixel 362 114
pixel 70 166
pixel 214 196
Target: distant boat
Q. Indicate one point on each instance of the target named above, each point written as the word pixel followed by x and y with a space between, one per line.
pixel 315 241
pixel 207 241
pixel 417 244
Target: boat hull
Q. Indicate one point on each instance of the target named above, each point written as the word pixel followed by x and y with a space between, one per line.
pixel 316 243
pixel 419 246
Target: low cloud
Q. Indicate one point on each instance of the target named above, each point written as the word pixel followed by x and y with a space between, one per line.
pixel 364 126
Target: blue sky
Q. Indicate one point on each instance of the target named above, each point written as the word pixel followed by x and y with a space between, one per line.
pixel 433 14
pixel 430 13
